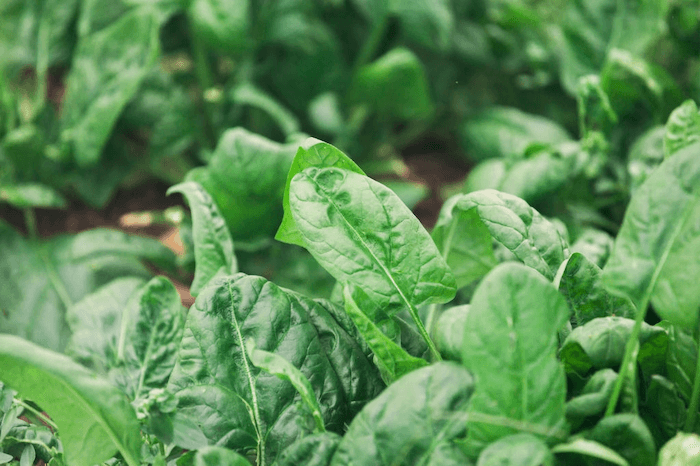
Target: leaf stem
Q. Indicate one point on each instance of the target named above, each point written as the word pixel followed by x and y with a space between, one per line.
pixel 424 333
pixel 44 418
pixel 694 398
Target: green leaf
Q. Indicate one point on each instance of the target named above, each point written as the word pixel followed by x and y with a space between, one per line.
pixel 655 249
pixel 28 195
pixel 506 132
pixel 627 435
pixel 410 193
pixel 218 456
pixel 681 450
pixel 243 408
pixel 94 418
pixel 663 409
pixel 593 399
pixel 594 244
pixel 59 272
pixel 213 246
pixel 248 94
pixel 449 332
pixel 517 450
pixel 312 450
pixel 360 232
pixel 464 241
pixel 416 420
pixel 96 95
pixel 517 226
pixel 584 447
pixel 95 324
pixel 245 177
pixel 681 358
pixel 587 298
pixel 221 24
pixel 312 153
pixel 394 85
pixel 682 128
pixel 601 343
pixel 391 359
pixel 277 365
pixel 510 345
pixel 645 155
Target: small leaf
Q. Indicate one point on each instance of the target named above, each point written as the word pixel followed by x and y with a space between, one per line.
pixel 517 450
pixel 627 435
pixel 218 456
pixel 584 447
pixel 26 195
pixel 94 418
pixel 682 128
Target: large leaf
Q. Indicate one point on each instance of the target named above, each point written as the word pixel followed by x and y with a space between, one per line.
pixel 363 234
pixel 416 420
pixel 246 176
pixel 213 246
pixel 656 251
pixel 517 226
pixel 681 358
pixel 627 435
pixel 107 69
pixel 94 418
pixel 59 272
pixel 510 345
pixel 243 408
pixel 312 450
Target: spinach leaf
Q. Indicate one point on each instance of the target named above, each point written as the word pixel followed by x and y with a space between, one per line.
pixel 681 450
pixel 416 420
pixel 588 448
pixel 213 246
pixel 363 234
pixel 312 450
pixel 510 343
pixel 645 155
pixel 682 128
pixel 243 408
pixel 220 24
pixel 25 195
pixel 601 343
pixel 654 252
pixel 594 244
pixel 108 67
pixel 681 358
pixel 587 298
pixel 94 418
pixel 216 456
pixel 517 226
pixel 245 177
pixel 627 435
pixel 593 399
pixel 663 410
pixel 517 450
pixel 449 331
pixel 249 94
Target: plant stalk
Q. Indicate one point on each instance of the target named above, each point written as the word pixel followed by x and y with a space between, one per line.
pixel 369 48
pixel 206 81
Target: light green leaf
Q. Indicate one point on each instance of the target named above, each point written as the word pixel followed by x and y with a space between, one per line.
pixel 449 332
pixel 218 456
pixel 27 195
pixel 517 450
pixel 391 359
pixel 682 128
pixel 221 24
pixel 464 241
pixel 510 344
pixel 681 450
pixel 94 418
pixel 416 420
pixel 594 244
pixel 655 253
pixel 312 153
pixel 107 69
pixel 213 246
pixel 518 227
pixel 584 447
pixel 681 358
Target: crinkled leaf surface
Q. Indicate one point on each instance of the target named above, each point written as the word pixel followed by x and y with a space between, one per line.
pixel 107 68
pixel 312 450
pixel 510 345
pixel 518 227
pixel 213 246
pixel 601 343
pixel 362 233
pixel 681 358
pixel 682 128
pixel 59 272
pixel 587 298
pixel 663 410
pixel 246 176
pixel 243 408
pixel 627 435
pixel 657 249
pixel 517 450
pixel 312 153
pixel 464 241
pixel 414 421
pixel 94 418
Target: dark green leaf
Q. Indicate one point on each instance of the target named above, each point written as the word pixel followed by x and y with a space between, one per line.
pixel 627 435
pixel 510 344
pixel 213 246
pixel 681 358
pixel 655 250
pixel 218 456
pixel 587 298
pixel 395 86
pixel 593 399
pixel 682 128
pixel 108 67
pixel 243 408
pixel 94 418
pixel 312 450
pixel 221 24
pixel 416 420
pixel 245 176
pixel 517 450
pixel 601 343
pixel 663 409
